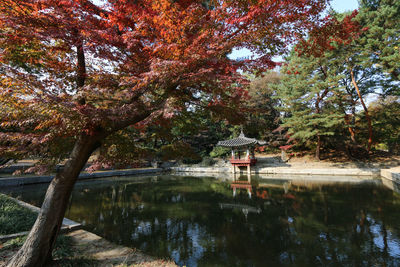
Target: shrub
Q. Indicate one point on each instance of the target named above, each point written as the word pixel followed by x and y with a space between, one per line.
pixel 219 152
pixel 207 161
pixel 191 160
pixel 179 151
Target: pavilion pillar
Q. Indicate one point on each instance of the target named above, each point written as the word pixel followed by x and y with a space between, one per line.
pixel 248 170
pixel 233 154
pixel 233 169
pixel 249 192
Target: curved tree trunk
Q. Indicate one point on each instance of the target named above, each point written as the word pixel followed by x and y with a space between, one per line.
pixel 37 249
pixel 369 121
pixel 351 129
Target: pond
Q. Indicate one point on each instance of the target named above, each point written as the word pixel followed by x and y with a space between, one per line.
pixel 205 221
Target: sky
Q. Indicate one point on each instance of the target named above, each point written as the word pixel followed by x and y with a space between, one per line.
pixel 344 5
pixel 338 5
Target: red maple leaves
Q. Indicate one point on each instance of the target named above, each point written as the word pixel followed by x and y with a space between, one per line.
pixel 79 68
pixel 331 33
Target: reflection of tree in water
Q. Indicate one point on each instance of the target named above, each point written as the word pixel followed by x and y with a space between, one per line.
pixel 308 225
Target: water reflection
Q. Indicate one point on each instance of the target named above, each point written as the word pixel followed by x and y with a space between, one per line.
pixel 243 222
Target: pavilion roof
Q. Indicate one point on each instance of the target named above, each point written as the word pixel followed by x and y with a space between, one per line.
pixel 240 141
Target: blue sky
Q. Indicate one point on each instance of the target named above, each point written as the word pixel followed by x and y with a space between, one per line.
pixel 344 5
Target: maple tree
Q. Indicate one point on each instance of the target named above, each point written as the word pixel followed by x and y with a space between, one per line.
pixel 75 73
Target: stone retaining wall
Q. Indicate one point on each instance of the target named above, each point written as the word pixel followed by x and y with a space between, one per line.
pixel 202 169
pixel 286 170
pixel 17 181
pixel 392 174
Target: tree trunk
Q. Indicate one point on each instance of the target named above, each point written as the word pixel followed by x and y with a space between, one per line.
pixel 38 246
pixel 318 149
pixel 350 123
pixel 318 111
pixel 351 129
pixel 353 80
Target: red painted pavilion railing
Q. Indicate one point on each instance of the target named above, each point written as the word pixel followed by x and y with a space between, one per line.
pixel 243 162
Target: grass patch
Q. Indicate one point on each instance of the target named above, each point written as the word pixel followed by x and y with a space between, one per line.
pixel 81 262
pixel 154 263
pixel 13 243
pixel 62 248
pixel 13 217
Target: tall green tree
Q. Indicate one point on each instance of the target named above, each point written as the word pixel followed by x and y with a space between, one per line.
pixel 381 37
pixel 308 93
pixel 386 112
pixel 346 41
pixel 262 116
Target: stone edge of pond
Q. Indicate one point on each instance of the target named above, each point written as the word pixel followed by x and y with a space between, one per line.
pixel 392 174
pixel 18 181
pixel 67 224
pixel 372 172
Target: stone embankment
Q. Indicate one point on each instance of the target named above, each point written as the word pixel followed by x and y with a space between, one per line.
pixel 392 174
pixel 17 181
pixel 288 170
pixel 391 178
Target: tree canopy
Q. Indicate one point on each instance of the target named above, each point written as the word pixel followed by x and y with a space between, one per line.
pixel 74 73
pixel 330 76
pixel 72 67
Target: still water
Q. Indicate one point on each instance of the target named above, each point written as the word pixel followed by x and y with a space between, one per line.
pixel 204 221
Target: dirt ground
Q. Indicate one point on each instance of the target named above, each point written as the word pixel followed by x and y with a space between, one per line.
pixel 334 160
pixel 89 249
pixel 110 254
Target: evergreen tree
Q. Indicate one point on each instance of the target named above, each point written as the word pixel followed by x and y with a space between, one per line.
pixel 262 114
pixel 308 92
pixel 345 41
pixel 387 123
pixel 381 37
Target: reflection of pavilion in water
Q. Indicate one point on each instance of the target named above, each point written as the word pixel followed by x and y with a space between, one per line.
pixel 245 183
pixel 236 185
pixel 256 186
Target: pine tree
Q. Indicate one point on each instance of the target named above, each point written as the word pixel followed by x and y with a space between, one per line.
pixel 308 92
pixel 381 21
